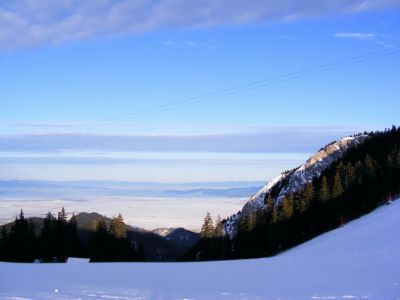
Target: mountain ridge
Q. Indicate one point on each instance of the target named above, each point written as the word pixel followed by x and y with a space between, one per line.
pixel 293 180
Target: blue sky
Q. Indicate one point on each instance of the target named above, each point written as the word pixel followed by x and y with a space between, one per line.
pixel 85 87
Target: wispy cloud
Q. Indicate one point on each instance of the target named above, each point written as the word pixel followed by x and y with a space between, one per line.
pixel 274 140
pixel 377 39
pixel 171 43
pixel 356 35
pixel 50 124
pixel 290 37
pixel 190 43
pixel 30 23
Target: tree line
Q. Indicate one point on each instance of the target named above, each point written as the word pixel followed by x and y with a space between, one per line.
pixel 54 239
pixel 366 176
pixel 110 243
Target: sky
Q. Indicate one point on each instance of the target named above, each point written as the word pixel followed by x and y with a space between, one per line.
pixel 180 91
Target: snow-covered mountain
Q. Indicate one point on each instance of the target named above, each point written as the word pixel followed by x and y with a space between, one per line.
pixel 294 180
pixel 163 231
pixel 179 236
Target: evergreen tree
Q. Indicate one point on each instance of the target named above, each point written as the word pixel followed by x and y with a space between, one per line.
pixel 112 244
pixel 117 227
pixel 397 159
pixel 62 216
pixel 274 214
pixel 207 230
pixel 61 236
pixel 100 244
pixel 370 167
pixel 324 194
pixel 349 175
pixel 21 240
pixel 4 244
pixel 286 209
pixel 101 226
pixel 246 222
pixel 269 202
pixel 74 247
pixel 261 218
pixel 3 234
pixel 337 189
pixel 48 246
pixel 308 193
pixel 358 169
pixel 140 252
pixel 300 204
pixel 219 228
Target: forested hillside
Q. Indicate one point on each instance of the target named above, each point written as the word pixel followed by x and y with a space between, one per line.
pixel 89 235
pixel 368 175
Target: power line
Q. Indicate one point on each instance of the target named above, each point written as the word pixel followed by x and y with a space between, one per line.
pixel 229 91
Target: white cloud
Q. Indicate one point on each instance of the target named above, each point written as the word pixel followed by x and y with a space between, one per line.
pixel 30 23
pixel 377 39
pixel 356 35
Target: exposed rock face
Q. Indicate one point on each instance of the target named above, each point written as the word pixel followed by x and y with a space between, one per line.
pixel 294 180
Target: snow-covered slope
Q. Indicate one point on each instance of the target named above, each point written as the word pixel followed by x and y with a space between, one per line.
pixel 294 180
pixel 358 261
pixel 178 236
pixel 163 231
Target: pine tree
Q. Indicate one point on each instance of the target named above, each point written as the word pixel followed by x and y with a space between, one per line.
pixel 269 202
pixel 370 167
pixel 21 240
pixel 308 193
pixel 73 238
pixel 324 194
pixel 101 225
pixel 286 211
pixel 397 159
pixel 100 244
pixel 337 189
pixel 3 234
pixel 349 175
pixel 140 252
pixel 4 244
pixel 61 236
pixel 207 230
pixel 117 227
pixel 62 216
pixel 274 214
pixel 261 218
pixel 21 217
pixel 48 243
pixel 300 204
pixel 358 170
pixel 219 228
pixel 246 222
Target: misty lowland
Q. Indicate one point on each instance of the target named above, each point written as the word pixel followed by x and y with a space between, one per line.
pixel 199 150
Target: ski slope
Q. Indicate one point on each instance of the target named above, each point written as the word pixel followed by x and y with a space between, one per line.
pixel 358 261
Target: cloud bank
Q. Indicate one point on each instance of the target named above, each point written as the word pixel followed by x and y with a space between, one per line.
pixel 277 140
pixel 31 23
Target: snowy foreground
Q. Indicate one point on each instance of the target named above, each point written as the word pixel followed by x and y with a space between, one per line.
pixel 358 261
